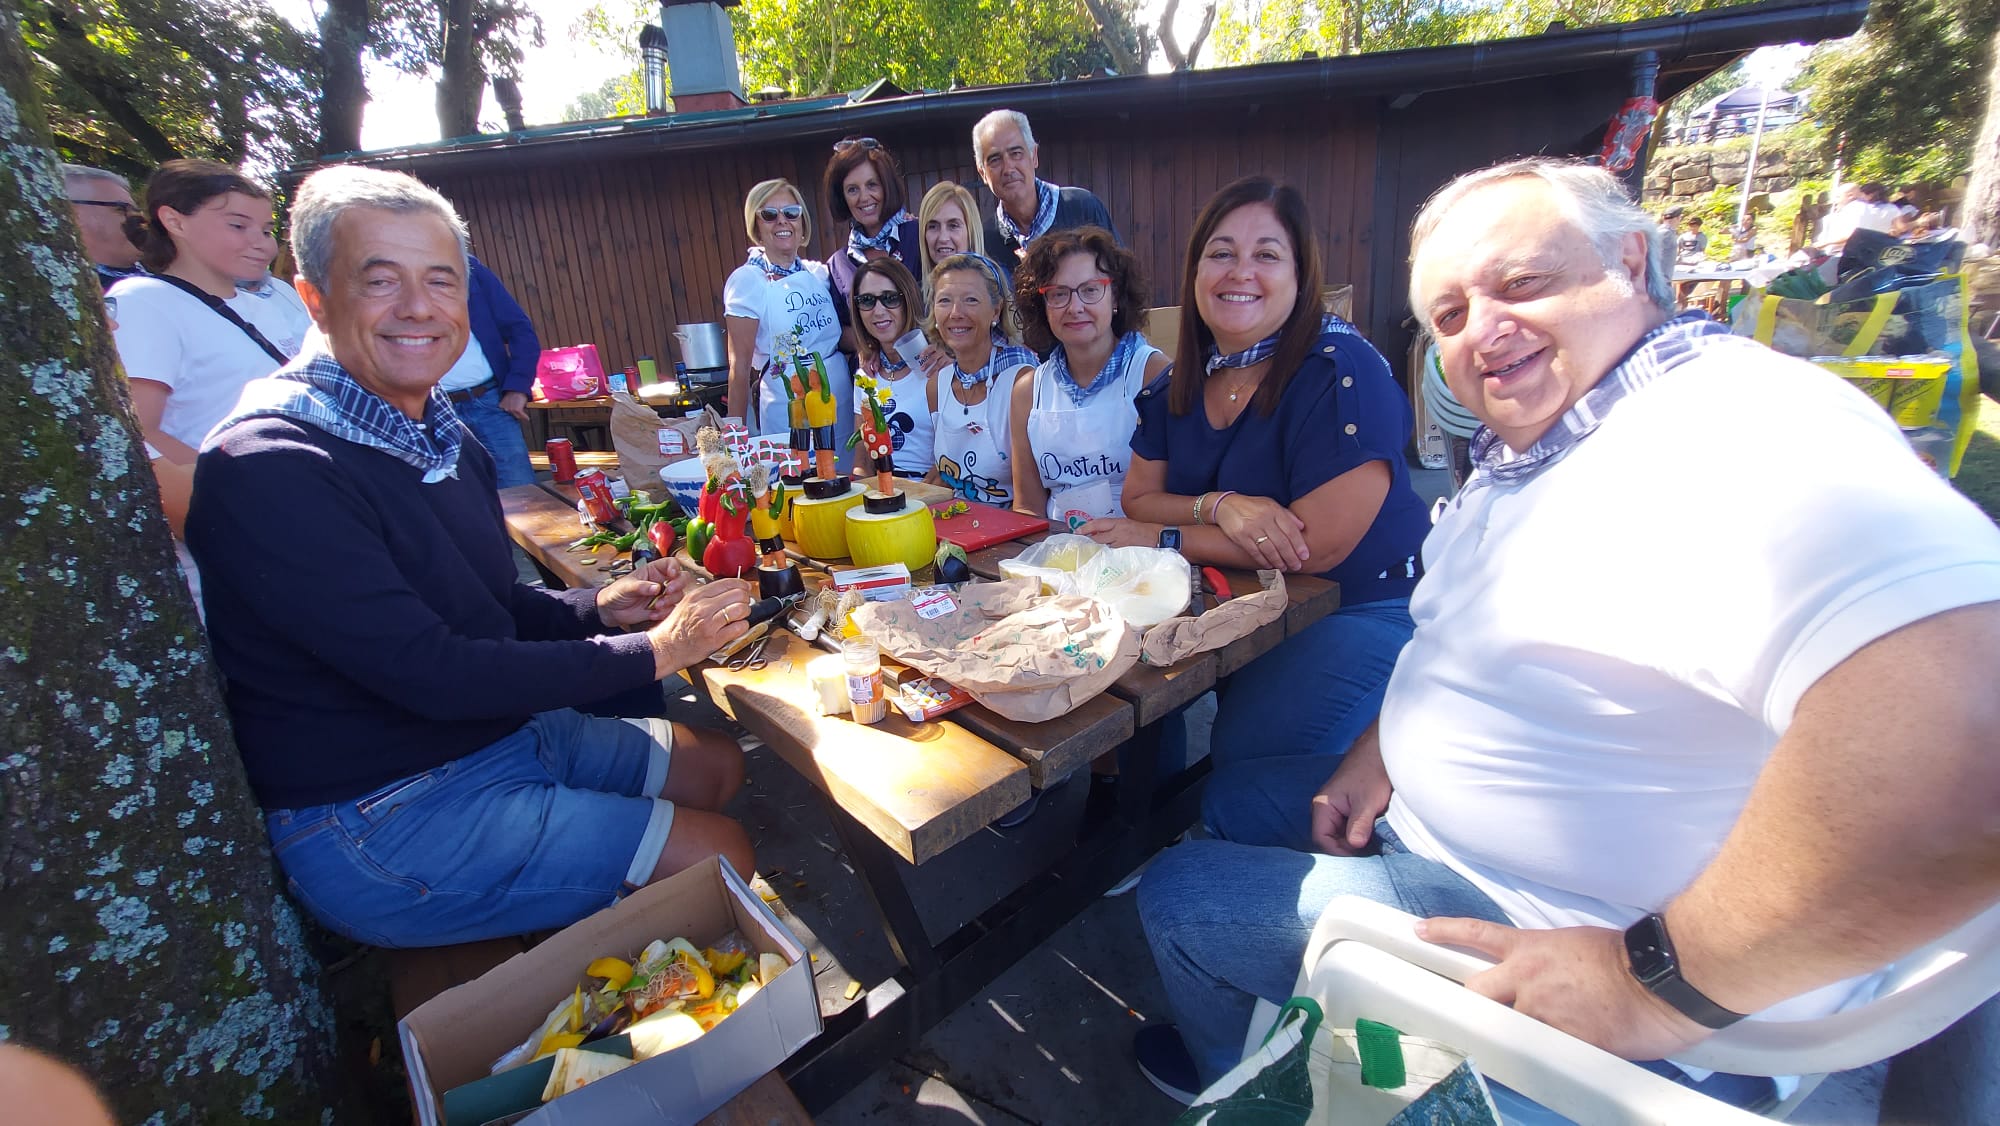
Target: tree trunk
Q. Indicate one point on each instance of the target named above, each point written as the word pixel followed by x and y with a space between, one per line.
pixel 343 32
pixel 1982 192
pixel 463 83
pixel 1115 33
pixel 145 937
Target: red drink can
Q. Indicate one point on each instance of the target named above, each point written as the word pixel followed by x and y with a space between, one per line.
pixel 595 486
pixel 562 459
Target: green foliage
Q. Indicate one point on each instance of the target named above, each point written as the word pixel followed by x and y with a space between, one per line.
pixel 1907 91
pixel 131 83
pixel 409 34
pixel 1250 31
pixel 823 46
pixel 621 96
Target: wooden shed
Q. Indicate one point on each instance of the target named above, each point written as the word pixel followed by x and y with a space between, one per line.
pixel 615 232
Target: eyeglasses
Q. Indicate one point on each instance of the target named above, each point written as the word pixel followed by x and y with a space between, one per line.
pixel 856 142
pixel 789 211
pixel 867 301
pixel 1090 293
pixel 123 207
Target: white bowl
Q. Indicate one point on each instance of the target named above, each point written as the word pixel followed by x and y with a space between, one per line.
pixel 684 480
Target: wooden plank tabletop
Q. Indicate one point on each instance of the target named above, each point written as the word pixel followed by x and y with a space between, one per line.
pixel 538 460
pixel 1055 748
pixel 920 787
pixel 543 526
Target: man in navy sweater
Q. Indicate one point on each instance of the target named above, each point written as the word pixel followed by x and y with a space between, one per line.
pixel 406 710
pixel 1029 207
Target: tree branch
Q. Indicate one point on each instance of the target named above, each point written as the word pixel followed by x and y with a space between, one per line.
pixel 1168 45
pixel 1113 32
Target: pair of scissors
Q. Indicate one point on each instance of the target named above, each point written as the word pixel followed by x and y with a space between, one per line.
pixel 750 659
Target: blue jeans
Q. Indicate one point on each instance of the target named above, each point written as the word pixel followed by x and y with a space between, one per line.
pixel 530 833
pixel 1292 713
pixel 1228 923
pixel 500 433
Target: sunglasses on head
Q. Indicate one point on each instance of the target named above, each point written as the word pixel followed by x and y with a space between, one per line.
pixel 789 211
pixel 867 301
pixel 856 142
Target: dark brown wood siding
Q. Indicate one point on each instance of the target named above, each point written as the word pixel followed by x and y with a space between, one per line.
pixel 620 252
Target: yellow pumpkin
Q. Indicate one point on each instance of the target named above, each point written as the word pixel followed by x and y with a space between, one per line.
pixel 820 526
pixel 908 537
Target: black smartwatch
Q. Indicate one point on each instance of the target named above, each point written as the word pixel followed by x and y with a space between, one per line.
pixel 1658 968
pixel 1170 538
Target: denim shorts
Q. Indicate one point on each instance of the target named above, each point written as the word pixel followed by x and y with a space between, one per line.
pixel 530 833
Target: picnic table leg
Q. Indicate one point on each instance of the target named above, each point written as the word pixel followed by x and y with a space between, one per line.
pixel 881 877
pixel 1139 771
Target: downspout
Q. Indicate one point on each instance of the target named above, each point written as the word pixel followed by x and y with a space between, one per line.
pixel 1625 137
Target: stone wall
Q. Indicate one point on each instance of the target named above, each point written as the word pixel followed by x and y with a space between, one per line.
pixel 1683 172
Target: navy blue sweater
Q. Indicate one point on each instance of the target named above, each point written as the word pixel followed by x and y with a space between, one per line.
pixel 371 626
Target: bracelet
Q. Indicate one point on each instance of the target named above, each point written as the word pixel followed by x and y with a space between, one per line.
pixel 1197 507
pixel 1215 509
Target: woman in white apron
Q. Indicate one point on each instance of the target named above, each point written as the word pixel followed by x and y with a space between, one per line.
pixel 1081 296
pixel 975 393
pixel 779 304
pixel 884 306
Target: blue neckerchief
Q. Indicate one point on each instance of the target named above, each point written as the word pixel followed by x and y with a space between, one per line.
pixel 1121 355
pixel 1005 357
pixel 886 238
pixel 1266 348
pixel 1666 347
pixel 758 259
pixel 316 390
pixel 1045 215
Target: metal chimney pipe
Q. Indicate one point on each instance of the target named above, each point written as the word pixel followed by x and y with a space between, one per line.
pixel 653 50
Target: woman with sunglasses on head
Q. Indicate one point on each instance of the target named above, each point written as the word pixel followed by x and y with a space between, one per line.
pixel 949 220
pixel 885 306
pixel 1082 300
pixel 864 189
pixel 777 303
pixel 969 307
pixel 189 339
pixel 1278 443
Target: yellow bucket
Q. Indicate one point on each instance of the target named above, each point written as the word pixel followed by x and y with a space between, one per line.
pixel 1910 388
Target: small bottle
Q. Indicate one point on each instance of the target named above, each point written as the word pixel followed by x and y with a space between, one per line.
pixel 866 701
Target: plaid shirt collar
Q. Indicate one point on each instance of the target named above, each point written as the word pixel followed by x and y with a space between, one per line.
pixel 315 390
pixel 1045 216
pixel 1658 352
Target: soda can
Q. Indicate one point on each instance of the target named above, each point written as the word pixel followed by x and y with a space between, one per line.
pixel 595 486
pixel 562 459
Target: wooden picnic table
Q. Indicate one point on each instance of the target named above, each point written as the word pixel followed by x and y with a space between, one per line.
pixel 902 794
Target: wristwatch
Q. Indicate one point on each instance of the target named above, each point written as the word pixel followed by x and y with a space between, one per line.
pixel 1658 968
pixel 1170 538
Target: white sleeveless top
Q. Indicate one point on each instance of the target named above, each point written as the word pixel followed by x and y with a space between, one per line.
pixel 906 402
pixel 972 444
pixel 1081 452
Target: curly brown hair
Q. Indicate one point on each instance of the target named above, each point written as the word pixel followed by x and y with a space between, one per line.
pixel 863 150
pixel 1044 258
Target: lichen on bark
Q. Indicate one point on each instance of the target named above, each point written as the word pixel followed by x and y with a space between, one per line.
pixel 145 938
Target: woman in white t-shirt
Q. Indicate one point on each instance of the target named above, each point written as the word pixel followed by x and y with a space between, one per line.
pixel 1082 298
pixel 973 433
pixel 884 308
pixel 778 301
pixel 208 227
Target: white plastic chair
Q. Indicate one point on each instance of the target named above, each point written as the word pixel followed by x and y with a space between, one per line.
pixel 1365 960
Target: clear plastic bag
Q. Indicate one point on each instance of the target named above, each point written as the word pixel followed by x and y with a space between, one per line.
pixel 1146 585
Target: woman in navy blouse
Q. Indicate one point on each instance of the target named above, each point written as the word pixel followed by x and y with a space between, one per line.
pixel 864 189
pixel 1276 441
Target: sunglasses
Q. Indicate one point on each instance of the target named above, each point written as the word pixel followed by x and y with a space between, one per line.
pixel 123 207
pixel 856 143
pixel 867 301
pixel 789 211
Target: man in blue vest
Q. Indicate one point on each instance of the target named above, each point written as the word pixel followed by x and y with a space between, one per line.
pixel 489 385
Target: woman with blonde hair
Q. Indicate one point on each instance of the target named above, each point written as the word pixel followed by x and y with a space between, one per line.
pixel 948 220
pixel 970 307
pixel 781 303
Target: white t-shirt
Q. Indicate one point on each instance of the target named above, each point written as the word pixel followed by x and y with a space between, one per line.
pixel 972 445
pixel 799 300
pixel 1607 652
pixel 170 337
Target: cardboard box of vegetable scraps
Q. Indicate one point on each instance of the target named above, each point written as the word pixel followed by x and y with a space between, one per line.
pixel 451 1041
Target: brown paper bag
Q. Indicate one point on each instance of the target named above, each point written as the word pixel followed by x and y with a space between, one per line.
pixel 1179 638
pixel 1026 656
pixel 647 443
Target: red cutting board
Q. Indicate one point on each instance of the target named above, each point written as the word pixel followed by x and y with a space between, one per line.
pixel 995 525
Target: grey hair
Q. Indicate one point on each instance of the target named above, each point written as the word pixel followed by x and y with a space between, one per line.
pixel 86 172
pixel 1592 198
pixel 328 193
pixel 1019 119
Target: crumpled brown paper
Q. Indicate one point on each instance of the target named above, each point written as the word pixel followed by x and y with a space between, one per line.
pixel 1179 638
pixel 647 443
pixel 1027 656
